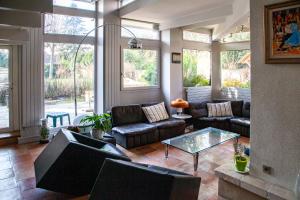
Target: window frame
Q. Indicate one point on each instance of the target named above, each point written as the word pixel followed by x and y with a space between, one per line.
pixel 198 49
pixel 147 45
pixel 204 31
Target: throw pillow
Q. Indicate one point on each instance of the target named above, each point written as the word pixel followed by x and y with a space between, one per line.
pixel 156 112
pixel 219 109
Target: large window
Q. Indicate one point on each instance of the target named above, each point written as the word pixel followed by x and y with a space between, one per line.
pixel 236 68
pixel 74 4
pixel 237 37
pixel 198 37
pixel 58 78
pixel 68 25
pixel 196 68
pixel 140 68
pixel 142 30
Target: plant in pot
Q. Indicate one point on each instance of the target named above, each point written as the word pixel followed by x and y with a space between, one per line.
pixel 101 124
pixel 240 160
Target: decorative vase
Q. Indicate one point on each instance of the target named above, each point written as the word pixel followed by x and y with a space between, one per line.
pixel 44 132
pixel 240 163
pixel 97 133
pixel 297 187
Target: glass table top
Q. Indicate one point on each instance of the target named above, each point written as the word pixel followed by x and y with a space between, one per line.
pixel 200 140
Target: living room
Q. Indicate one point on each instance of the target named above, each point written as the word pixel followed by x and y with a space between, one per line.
pixel 145 99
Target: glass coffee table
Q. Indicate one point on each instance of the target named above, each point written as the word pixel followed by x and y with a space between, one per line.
pixel 198 141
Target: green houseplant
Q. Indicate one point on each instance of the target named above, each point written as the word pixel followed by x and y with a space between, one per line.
pixel 101 124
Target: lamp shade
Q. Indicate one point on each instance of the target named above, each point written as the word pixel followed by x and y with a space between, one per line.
pixel 179 103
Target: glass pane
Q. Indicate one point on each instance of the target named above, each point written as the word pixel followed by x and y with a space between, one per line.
pixel 237 37
pixel 140 68
pixel 68 25
pixel 198 37
pixel 236 68
pixel 139 29
pixel 196 68
pixel 200 140
pixel 4 88
pixel 125 2
pixel 74 4
pixel 58 77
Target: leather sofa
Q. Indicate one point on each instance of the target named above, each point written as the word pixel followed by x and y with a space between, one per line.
pixel 239 123
pixel 132 129
pixel 71 163
pixel 122 180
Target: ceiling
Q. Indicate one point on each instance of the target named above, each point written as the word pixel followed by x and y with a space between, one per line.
pixel 190 14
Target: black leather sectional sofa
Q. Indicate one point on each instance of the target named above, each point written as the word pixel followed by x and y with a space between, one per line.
pixel 132 129
pixel 239 123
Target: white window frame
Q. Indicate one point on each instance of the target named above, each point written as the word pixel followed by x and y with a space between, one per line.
pixel 147 45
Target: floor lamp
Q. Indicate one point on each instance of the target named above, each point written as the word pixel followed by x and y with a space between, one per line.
pixel 133 43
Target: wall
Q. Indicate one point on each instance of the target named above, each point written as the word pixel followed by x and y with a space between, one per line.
pixel 275 119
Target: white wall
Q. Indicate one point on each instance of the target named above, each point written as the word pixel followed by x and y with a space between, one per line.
pixel 275 119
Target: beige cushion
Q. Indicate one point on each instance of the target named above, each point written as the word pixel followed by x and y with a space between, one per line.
pixel 219 109
pixel 156 112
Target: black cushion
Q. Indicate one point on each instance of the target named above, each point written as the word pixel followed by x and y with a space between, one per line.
pixel 246 109
pixel 168 123
pixel 134 129
pixel 122 115
pixel 197 109
pixel 133 181
pixel 71 162
pixel 241 121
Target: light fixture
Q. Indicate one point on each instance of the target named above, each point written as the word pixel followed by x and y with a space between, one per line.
pixel 133 43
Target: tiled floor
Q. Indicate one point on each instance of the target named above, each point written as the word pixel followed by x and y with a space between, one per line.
pixel 17 173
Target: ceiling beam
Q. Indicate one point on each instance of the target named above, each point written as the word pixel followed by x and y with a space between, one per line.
pixel 20 18
pixel 199 17
pixel 33 6
pixel 14 34
pixel 135 5
pixel 241 13
pixel 205 23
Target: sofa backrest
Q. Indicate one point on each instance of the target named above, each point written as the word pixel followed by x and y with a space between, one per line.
pixel 197 109
pixel 246 109
pixel 130 114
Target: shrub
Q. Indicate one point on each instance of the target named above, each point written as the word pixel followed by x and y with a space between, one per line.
pixel 55 88
pixel 195 81
pixel 236 83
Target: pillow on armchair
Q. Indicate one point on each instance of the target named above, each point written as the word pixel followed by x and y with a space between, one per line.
pixel 219 109
pixel 156 112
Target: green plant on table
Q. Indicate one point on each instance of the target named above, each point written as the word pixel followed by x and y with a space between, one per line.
pixel 240 159
pixel 100 122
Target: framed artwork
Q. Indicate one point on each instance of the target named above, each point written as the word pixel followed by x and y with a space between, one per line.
pixel 176 58
pixel 282 32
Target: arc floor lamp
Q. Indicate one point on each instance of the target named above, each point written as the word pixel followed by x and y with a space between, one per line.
pixel 133 43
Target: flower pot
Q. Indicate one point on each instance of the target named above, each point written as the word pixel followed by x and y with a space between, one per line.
pixel 97 133
pixel 240 163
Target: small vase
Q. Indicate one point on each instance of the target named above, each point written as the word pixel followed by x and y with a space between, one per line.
pixel 297 187
pixel 240 163
pixel 97 133
pixel 44 131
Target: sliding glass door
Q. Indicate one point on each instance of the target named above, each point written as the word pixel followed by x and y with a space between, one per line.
pixel 5 88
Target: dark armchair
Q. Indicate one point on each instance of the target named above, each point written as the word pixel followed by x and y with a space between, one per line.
pixel 121 180
pixel 71 163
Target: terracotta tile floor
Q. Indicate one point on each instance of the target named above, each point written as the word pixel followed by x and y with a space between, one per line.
pixel 17 173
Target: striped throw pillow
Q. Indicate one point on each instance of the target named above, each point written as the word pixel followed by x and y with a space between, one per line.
pixel 219 109
pixel 156 112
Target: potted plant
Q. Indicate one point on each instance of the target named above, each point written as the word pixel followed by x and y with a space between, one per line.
pixel 44 132
pixel 101 124
pixel 240 160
